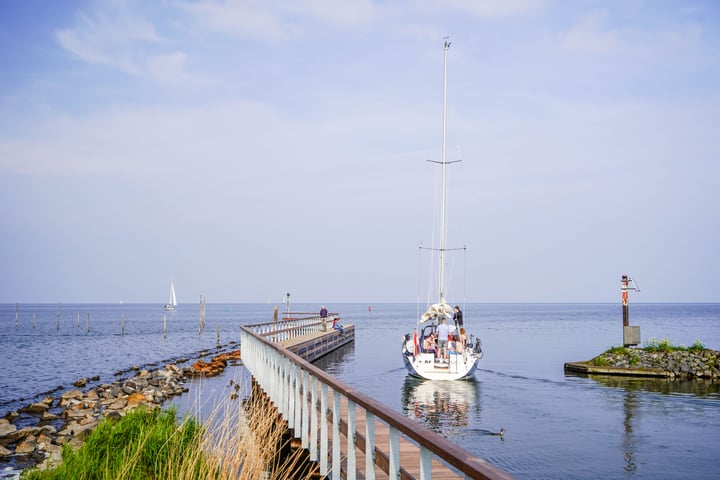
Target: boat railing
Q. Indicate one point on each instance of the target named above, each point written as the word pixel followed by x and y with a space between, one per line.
pixel 301 392
pixel 293 326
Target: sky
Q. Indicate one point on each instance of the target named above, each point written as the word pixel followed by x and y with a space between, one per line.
pixel 247 149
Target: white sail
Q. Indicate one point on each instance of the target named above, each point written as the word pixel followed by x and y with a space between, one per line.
pixel 172 303
pixel 173 298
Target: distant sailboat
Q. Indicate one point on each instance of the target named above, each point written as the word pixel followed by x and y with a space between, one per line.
pixel 173 299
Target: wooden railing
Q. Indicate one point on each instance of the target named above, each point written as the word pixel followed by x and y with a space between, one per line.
pixel 293 327
pixel 302 394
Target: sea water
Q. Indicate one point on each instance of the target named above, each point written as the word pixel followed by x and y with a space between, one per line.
pixel 555 425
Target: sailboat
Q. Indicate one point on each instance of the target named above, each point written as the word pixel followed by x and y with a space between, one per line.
pixel 173 299
pixel 422 358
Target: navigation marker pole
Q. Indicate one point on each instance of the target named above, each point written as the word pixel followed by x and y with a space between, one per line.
pixel 631 334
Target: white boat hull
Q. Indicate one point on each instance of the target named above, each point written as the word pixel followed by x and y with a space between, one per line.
pixel 424 365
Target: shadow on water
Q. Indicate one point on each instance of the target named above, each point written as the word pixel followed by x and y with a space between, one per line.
pixel 441 405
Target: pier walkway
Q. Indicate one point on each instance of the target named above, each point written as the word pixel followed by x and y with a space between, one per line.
pixel 348 434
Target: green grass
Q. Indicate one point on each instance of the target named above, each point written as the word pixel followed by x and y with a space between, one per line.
pixel 698 346
pixel 144 444
pixel 237 442
pixel 600 361
pixel 655 345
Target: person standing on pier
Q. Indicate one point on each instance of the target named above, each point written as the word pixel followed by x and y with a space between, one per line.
pixel 323 318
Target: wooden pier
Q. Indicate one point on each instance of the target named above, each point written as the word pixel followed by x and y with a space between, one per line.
pixel 348 434
pixel 314 345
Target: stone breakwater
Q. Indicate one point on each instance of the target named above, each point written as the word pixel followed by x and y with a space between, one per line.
pixel 71 417
pixel 680 364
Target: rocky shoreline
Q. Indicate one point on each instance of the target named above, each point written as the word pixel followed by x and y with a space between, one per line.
pixel 674 364
pixel 70 417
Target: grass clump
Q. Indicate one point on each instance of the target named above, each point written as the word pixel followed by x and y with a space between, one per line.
pixel 600 361
pixel 144 444
pixel 697 346
pixel 654 345
pixel 617 351
pixel 245 442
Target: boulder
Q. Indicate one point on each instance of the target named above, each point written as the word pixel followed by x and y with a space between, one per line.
pixel 6 428
pixel 35 408
pixel 26 446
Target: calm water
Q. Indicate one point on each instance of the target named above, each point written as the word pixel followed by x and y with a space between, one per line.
pixel 556 426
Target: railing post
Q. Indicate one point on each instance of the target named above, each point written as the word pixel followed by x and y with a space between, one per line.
pixel 351 441
pixel 298 399
pixel 394 473
pixel 313 419
pixel 425 464
pixel 305 438
pixel 291 395
pixel 336 435
pixel 369 446
pixel 323 429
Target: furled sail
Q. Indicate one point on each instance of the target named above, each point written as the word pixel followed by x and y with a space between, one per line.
pixel 436 312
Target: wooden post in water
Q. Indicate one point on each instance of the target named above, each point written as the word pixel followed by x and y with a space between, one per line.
pixel 17 316
pixel 88 322
pixel 217 342
pixel 78 320
pixel 275 319
pixel 122 325
pixel 201 325
pixel 57 326
pixel 164 325
pixel 34 319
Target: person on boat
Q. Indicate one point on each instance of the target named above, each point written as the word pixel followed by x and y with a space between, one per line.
pixel 443 331
pixel 429 344
pixel 458 318
pixel 463 341
pixel 451 344
pixel 337 326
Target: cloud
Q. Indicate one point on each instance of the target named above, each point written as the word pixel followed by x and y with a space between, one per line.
pixel 492 8
pixel 280 21
pixel 108 38
pixel 590 35
pixel 120 38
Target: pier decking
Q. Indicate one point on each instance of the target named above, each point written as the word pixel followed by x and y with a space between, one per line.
pixel 348 434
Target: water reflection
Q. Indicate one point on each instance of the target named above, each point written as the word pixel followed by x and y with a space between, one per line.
pixel 441 404
pixel 630 403
pixel 633 389
pixel 697 387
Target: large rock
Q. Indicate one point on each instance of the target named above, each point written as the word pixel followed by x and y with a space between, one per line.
pixel 26 446
pixel 6 428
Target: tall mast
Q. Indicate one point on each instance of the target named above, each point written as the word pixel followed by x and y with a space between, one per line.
pixel 441 269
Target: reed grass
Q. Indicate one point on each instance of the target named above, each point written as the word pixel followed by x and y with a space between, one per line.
pixel 240 440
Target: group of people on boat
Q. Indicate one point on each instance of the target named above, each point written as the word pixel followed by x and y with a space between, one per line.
pixel 444 340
